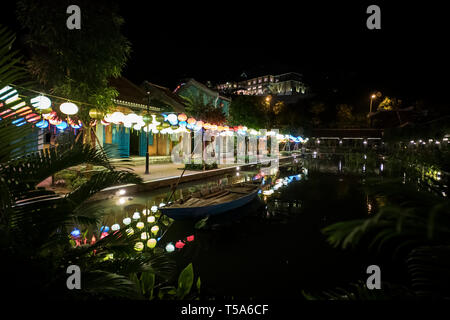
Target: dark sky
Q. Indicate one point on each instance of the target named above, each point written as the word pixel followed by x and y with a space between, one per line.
pixel 218 40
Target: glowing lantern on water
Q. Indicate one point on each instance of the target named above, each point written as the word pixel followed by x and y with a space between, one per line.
pixel 170 247
pixel 151 243
pixel 139 246
pixel 151 219
pixel 68 108
pixel 41 102
pixel 182 117
pixel 191 121
pixel 154 209
pixel 129 231
pixel 144 235
pixel 180 244
pixel 172 118
pixel 136 215
pixel 115 227
pixel 126 221
pixel 140 225
pixel 154 229
pixel 190 238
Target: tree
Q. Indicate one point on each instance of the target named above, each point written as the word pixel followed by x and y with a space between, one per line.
pixel 316 109
pixel 249 111
pixel 196 107
pixel 75 63
pixel 344 114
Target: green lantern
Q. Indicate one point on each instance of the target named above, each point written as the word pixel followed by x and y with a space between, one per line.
pixel 165 125
pixel 159 118
pixel 159 127
pixel 174 127
pixel 147 118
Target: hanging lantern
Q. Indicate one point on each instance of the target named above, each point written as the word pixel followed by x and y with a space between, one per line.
pixel 95 114
pixel 68 108
pixel 144 235
pixel 104 234
pixel 207 126
pixel 154 229
pixel 191 121
pixel 139 246
pixel 77 126
pixel 190 238
pixel 115 227
pixel 105 123
pixel 151 219
pixel 165 125
pixel 226 128
pixel 199 124
pixel 151 243
pixel 61 126
pixel 42 124
pixel 129 231
pixel 41 102
pixel 157 118
pixel 116 117
pixel 213 127
pixel 154 209
pixel 159 128
pixel 136 215
pixel 55 122
pixel 180 244
pixel 162 204
pixel 182 117
pixel 170 247
pixel 93 240
pixel 219 128
pixel 172 118
pixel 183 123
pixel 126 221
pixel 104 229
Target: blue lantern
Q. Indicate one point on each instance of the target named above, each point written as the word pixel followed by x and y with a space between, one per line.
pixel 42 124
pixel 75 233
pixel 63 125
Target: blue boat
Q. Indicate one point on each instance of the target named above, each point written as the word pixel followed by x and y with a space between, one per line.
pixel 212 202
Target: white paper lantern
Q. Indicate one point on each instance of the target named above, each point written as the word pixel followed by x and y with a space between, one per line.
pixel 170 247
pixel 136 215
pixel 126 221
pixel 115 227
pixel 151 243
pixel 154 209
pixel 154 229
pixel 144 235
pixel 151 219
pixel 68 108
pixel 41 102
pixel 140 225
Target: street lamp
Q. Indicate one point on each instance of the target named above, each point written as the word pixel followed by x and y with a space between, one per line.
pixel 147 155
pixel 373 96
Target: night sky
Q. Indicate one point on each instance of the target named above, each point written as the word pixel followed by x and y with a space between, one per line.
pixel 219 40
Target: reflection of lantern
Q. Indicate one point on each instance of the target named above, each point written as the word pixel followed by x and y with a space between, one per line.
pixel 115 227
pixel 154 229
pixel 126 221
pixel 151 243
pixel 140 225
pixel 170 247
pixel 68 108
pixel 41 102
pixel 139 246
pixel 151 219
pixel 182 117
pixel 191 121
pixel 180 244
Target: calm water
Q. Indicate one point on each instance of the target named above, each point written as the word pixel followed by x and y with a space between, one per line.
pixel 273 247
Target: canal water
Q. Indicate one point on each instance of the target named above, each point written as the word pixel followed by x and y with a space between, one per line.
pixel 273 247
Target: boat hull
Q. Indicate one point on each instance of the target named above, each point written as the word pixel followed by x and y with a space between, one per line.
pixel 201 212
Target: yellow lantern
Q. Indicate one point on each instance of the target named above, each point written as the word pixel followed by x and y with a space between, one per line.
pixel 95 114
pixel 151 219
pixel 182 117
pixel 151 243
pixel 139 246
pixel 140 225
pixel 154 229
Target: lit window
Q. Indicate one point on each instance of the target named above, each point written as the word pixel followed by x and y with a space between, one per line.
pixel 265 79
pixel 249 83
pixel 259 80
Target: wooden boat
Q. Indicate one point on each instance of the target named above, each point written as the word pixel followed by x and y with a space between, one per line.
pixel 212 202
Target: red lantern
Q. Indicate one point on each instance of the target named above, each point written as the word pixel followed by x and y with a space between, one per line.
pixel 190 238
pixel 182 117
pixel 191 121
pixel 180 244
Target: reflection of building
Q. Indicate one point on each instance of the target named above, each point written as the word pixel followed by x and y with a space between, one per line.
pixel 193 89
pixel 284 84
